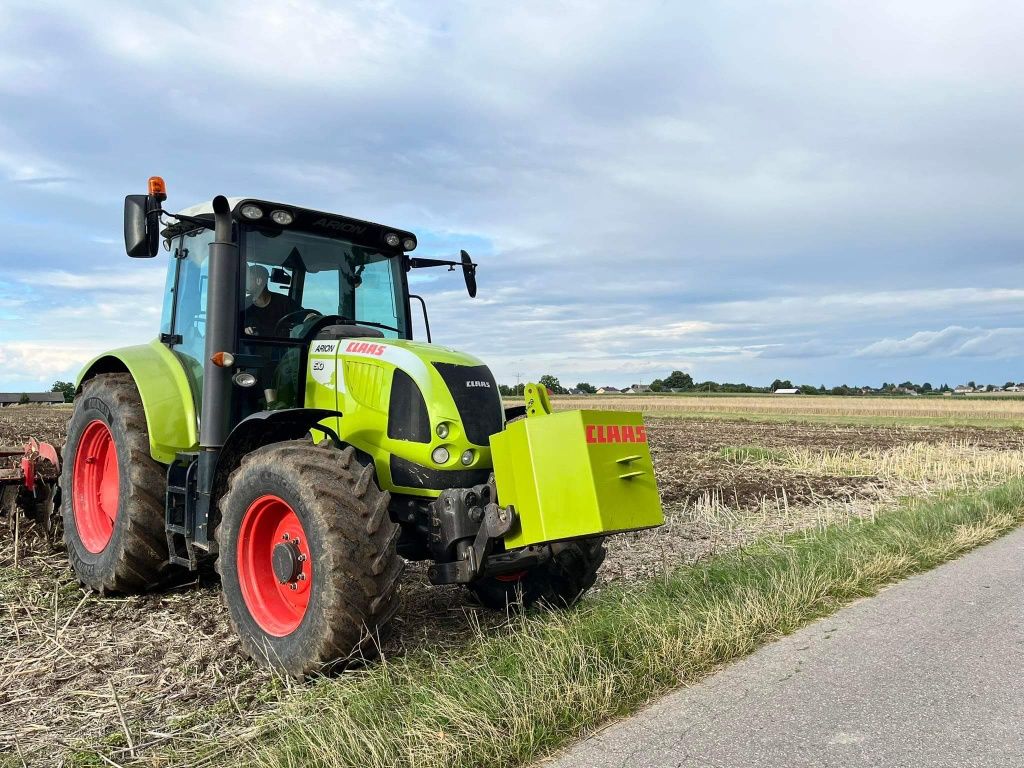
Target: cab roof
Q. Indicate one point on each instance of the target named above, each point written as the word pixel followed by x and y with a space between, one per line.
pixel 366 233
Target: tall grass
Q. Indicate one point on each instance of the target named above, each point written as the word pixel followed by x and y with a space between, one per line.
pixel 508 698
pixel 935 466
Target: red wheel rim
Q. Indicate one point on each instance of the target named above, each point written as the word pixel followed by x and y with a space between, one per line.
pixel 277 603
pixel 95 486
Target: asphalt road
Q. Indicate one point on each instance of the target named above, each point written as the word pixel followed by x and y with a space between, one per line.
pixel 928 673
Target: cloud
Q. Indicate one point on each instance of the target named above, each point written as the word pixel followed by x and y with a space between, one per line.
pixel 22 167
pixel 806 349
pixel 643 186
pixel 952 341
pixel 616 335
pixel 54 321
pixel 99 280
pixel 40 363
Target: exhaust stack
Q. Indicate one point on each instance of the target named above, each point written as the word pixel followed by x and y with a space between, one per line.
pixel 221 319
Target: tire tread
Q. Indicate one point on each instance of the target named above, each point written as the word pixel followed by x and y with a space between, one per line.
pixel 362 561
pixel 142 559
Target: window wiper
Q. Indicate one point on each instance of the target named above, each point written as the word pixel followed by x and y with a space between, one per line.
pixel 378 325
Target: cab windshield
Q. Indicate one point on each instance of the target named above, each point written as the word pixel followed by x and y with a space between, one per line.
pixel 294 278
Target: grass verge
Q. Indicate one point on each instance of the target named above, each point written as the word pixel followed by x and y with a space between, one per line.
pixel 508 698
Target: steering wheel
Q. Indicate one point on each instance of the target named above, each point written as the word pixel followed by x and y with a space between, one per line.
pixel 293 318
pixel 321 321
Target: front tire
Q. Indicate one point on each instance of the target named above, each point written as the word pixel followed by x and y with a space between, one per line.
pixel 307 558
pixel 559 583
pixel 112 490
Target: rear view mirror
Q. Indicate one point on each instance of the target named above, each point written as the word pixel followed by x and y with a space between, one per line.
pixel 141 236
pixel 469 272
pixel 468 269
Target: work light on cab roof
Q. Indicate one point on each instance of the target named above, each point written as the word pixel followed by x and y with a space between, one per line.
pixel 287 422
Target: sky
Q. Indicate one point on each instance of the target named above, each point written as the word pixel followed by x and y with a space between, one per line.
pixel 827 192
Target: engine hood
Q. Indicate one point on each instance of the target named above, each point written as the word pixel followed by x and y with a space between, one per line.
pixel 401 400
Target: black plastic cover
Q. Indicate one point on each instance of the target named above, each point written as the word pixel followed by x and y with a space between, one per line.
pixel 410 475
pixel 407 412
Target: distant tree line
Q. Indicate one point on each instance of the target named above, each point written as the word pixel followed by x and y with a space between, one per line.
pixel 552 383
pixel 678 381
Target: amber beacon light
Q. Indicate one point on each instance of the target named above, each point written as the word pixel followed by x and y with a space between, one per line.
pixel 157 188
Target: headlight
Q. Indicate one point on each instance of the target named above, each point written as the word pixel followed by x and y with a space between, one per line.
pixel 244 379
pixel 442 430
pixel 282 217
pixel 467 457
pixel 251 211
pixel 440 455
pixel 409 244
pixel 392 239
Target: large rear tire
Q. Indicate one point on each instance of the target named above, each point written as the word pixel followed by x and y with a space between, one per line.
pixel 307 558
pixel 559 583
pixel 112 499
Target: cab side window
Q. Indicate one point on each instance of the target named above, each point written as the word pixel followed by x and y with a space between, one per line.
pixel 190 303
pixel 167 306
pixel 375 296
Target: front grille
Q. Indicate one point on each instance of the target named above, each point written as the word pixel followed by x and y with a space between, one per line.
pixel 365 382
pixel 476 396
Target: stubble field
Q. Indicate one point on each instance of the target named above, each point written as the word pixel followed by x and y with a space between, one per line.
pixel 112 680
pixel 1006 410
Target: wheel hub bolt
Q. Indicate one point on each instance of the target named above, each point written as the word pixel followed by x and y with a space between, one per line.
pixel 285 562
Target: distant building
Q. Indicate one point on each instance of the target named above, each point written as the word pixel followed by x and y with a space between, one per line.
pixel 637 389
pixel 787 391
pixel 609 391
pixel 963 389
pixel 13 398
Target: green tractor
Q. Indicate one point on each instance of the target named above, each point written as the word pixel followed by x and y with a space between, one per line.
pixel 286 425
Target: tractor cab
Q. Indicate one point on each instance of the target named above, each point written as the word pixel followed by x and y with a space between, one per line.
pixel 299 272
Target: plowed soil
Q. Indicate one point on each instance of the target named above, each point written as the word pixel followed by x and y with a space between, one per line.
pixel 76 669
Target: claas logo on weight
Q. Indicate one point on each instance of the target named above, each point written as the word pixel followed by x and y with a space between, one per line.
pixel 615 433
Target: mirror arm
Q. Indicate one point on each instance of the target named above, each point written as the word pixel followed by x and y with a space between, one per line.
pixel 207 223
pixel 418 263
